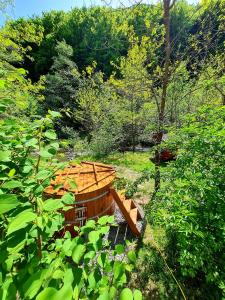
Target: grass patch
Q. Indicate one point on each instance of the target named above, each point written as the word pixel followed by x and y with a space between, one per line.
pixel 137 161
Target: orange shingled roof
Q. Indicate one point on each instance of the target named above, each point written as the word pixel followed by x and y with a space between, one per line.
pixel 87 176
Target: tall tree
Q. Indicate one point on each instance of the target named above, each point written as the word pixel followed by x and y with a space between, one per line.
pixel 61 85
pixel 167 6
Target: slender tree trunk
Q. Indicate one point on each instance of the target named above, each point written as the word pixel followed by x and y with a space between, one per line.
pixel 165 81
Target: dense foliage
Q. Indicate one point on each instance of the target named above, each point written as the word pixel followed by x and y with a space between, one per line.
pixel 101 62
pixel 191 206
pixel 36 263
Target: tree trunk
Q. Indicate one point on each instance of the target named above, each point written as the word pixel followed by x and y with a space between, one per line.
pixel 165 81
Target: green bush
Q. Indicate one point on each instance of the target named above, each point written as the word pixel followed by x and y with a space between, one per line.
pixel 191 205
pixel 34 263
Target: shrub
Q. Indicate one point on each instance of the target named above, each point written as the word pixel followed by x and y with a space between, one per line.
pixel 191 205
pixel 34 263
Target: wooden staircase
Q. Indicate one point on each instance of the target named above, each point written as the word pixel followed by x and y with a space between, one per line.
pixel 129 210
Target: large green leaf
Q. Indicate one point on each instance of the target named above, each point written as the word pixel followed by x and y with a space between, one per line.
pixel 66 292
pixel 5 155
pixel 119 248
pixel 33 284
pixel 47 294
pixel 33 142
pixel 12 184
pixel 8 202
pixel 21 220
pixel 137 295
pixel 52 204
pixel 93 236
pixel 132 256
pixel 68 198
pixel 78 252
pixel 45 153
pixel 43 174
pixel 126 294
pixel 104 296
pixel 50 134
pixel 16 241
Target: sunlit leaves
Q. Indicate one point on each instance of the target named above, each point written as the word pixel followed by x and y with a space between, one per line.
pixel 191 205
pixel 8 202
pixel 52 204
pixel 126 294
pixel 50 134
pixel 5 155
pixel 68 198
pixel 78 253
pixel 79 267
pixel 21 220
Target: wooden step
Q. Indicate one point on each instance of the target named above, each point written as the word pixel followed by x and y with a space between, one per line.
pixel 127 204
pixel 129 210
pixel 133 215
pixel 122 196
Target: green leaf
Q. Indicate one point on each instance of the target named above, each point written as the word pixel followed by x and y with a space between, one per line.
pixel 112 293
pixel 5 155
pixel 89 255
pixel 104 296
pixel 31 142
pixel 8 202
pixel 78 252
pixel 104 229
pixel 102 259
pixel 50 134
pixel 67 247
pixel 16 241
pixel 68 198
pixel 21 71
pixel 21 220
pixel 104 220
pixel 58 274
pixel 45 153
pixel 33 284
pixel 126 294
pixel 27 169
pixel 12 172
pixel 47 294
pixel 119 249
pixel 66 292
pixel 76 293
pixel 93 236
pixel 93 278
pixel 12 184
pixel 118 269
pixel 43 174
pixel 132 256
pixel 137 295
pixel 54 114
pixel 72 184
pixel 69 276
pixel 52 204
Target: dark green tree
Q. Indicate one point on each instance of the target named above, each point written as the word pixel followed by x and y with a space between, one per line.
pixel 62 84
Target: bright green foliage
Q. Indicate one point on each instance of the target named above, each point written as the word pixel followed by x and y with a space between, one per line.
pixel 133 94
pixel 35 264
pixel 191 207
pixel 14 87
